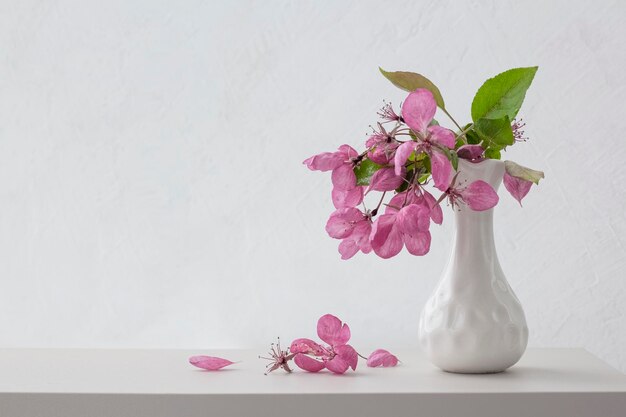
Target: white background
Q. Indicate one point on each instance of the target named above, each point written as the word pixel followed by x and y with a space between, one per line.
pixel 152 192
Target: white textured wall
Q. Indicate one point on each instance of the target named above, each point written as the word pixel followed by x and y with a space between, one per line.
pixel 152 192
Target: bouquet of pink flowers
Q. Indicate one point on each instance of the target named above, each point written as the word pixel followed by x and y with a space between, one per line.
pixel 408 151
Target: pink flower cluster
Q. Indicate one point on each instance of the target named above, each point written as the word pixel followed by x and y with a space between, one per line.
pixel 337 355
pixel 402 160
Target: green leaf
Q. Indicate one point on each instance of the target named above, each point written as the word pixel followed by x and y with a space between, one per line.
pixel 518 171
pixel 492 153
pixel 411 81
pixel 423 178
pixel 454 160
pixel 472 137
pixel 503 94
pixel 426 162
pixel 452 157
pixel 364 171
pixel 495 133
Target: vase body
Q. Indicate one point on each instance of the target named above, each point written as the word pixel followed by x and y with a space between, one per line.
pixel 473 322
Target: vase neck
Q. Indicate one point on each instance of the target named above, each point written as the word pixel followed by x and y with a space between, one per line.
pixel 474 231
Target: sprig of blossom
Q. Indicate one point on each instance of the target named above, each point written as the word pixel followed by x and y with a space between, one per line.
pixel 336 355
pixel 408 152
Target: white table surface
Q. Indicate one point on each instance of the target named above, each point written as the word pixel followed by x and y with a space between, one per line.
pixel 77 382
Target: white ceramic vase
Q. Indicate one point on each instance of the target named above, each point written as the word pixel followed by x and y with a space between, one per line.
pixel 473 322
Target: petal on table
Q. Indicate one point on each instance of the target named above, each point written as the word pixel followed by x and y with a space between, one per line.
pixel 381 357
pixel 348 354
pixel 332 331
pixel 307 346
pixel 210 363
pixel 337 365
pixel 307 363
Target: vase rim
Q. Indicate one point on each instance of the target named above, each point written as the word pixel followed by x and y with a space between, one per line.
pixel 488 170
pixel 483 163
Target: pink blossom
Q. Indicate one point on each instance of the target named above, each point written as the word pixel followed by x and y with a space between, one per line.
pixel 418 111
pixel 401 226
pixel 345 192
pixel 381 357
pixel 473 153
pixel 436 214
pixel 341 163
pixel 479 195
pixel 382 145
pixel 347 198
pixel 353 227
pixel 278 358
pixel 417 195
pixel 337 356
pixel 518 187
pixel 386 179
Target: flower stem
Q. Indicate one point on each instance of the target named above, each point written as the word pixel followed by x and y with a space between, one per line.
pixel 452 118
pixel 375 211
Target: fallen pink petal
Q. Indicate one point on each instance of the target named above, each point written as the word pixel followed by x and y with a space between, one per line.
pixel 210 363
pixel 332 331
pixel 381 357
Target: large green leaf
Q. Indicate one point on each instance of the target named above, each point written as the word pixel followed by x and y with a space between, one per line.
pixel 495 133
pixel 411 81
pixel 518 171
pixel 364 171
pixel 503 94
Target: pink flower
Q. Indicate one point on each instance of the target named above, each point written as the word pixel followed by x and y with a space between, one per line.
pixel 418 111
pixel 345 192
pixel 473 153
pixel 386 179
pixel 479 195
pixel 381 357
pixel 422 197
pixel 518 187
pixel 278 358
pixel 353 227
pixel 337 357
pixel 401 226
pixel 383 146
pixel 347 198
